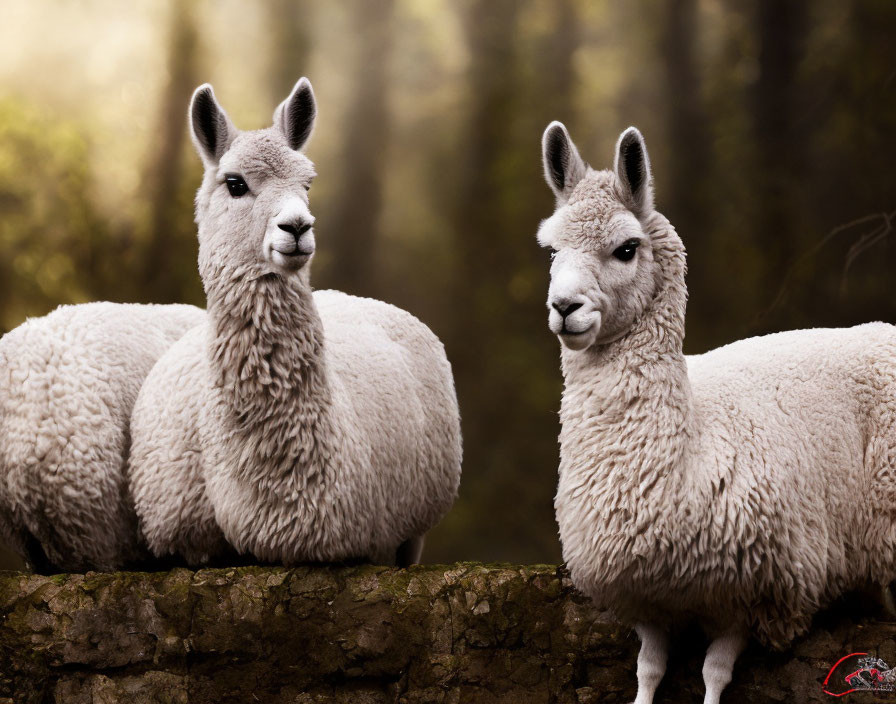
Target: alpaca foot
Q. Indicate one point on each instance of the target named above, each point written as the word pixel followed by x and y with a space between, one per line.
pixel 409 551
pixel 36 558
pixel 651 661
pixel 719 663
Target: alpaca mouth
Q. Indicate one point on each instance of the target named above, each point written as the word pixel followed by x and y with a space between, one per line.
pixel 291 254
pixel 578 337
pixel 566 332
pixel 288 246
pixel 291 260
pixel 292 249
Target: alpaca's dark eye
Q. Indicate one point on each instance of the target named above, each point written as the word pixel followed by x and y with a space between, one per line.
pixel 625 252
pixel 236 185
pixel 553 253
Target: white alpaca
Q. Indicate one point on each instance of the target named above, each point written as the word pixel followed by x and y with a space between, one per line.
pixel 745 487
pixel 295 426
pixel 68 382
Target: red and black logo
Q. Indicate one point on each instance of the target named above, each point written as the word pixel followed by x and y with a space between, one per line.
pixel 860 672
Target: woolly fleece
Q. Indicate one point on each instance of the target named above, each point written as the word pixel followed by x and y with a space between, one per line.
pixel 68 382
pixel 745 487
pixel 295 426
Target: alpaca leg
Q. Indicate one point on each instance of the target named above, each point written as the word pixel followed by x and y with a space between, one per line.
pixel 887 601
pixel 13 537
pixel 719 663
pixel 651 661
pixel 36 557
pixel 409 551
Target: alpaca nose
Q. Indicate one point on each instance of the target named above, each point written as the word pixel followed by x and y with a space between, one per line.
pixel 297 228
pixel 564 306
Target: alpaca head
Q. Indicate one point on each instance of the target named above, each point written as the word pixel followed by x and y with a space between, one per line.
pixel 602 266
pixel 252 207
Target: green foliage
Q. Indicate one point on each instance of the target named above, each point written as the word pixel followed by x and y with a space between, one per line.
pixel 49 232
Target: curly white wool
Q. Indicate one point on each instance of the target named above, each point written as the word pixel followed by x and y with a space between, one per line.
pixel 738 487
pixel 295 426
pixel 68 382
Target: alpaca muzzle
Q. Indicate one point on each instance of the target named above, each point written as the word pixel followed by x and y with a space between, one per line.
pixel 293 239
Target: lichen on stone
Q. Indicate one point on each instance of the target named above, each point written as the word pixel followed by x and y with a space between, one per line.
pixel 464 633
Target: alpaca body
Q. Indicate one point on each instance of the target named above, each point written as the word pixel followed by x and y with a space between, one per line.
pixel 295 426
pixel 766 501
pixel 68 382
pixel 743 488
pixel 351 476
pixel 165 475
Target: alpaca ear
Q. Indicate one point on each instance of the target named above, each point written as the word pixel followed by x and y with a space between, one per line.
pixel 632 168
pixel 211 128
pixel 295 115
pixel 563 167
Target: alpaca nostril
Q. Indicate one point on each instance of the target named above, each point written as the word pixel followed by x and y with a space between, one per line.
pixel 295 229
pixel 301 239
pixel 565 307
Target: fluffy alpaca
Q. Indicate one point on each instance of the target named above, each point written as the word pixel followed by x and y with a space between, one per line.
pixel 745 487
pixel 295 426
pixel 68 382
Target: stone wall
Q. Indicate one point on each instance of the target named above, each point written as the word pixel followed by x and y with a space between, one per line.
pixel 363 635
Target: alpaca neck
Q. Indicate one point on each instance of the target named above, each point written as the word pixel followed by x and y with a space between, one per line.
pixel 267 363
pixel 627 404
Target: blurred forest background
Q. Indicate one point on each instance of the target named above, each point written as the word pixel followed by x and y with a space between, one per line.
pixel 770 125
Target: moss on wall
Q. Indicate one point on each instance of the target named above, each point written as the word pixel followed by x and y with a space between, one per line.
pixel 448 634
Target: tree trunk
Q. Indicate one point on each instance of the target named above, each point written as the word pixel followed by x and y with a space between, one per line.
pixel 688 191
pixel 688 133
pixel 480 208
pixel 351 230
pixel 289 30
pixel 461 633
pixel 170 229
pixel 781 152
